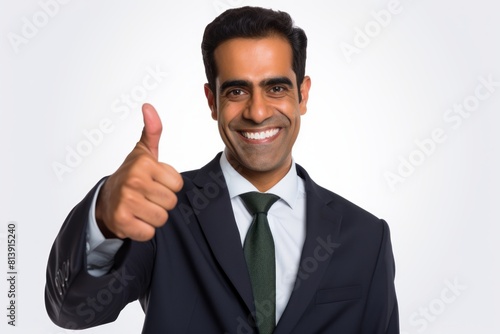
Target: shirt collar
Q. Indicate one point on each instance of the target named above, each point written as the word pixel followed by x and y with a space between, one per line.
pixel 287 188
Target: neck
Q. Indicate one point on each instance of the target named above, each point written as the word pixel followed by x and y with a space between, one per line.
pixel 262 180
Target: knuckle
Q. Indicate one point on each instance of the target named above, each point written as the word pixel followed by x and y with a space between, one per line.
pixel 175 180
pixel 120 235
pixel 145 162
pixel 178 183
pixel 129 198
pixel 135 182
pixel 160 217
pixel 121 217
pixel 169 200
pixel 172 202
pixel 144 233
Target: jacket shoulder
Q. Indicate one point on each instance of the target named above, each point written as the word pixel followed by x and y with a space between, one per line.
pixel 338 203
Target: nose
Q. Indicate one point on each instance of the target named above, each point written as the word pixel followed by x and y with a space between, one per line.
pixel 257 109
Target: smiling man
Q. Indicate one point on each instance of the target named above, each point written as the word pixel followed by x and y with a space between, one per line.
pixel 256 103
pixel 246 244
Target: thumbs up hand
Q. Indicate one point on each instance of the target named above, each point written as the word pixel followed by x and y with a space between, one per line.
pixel 134 200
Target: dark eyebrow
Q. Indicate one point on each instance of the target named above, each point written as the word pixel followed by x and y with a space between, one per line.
pixel 277 81
pixel 267 82
pixel 234 83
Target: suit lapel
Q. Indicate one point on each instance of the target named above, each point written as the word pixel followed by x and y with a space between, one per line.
pixel 210 199
pixel 322 230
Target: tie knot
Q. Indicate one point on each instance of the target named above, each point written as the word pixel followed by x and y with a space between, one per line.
pixel 258 202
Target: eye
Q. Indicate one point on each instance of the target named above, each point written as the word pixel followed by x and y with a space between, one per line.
pixel 235 92
pixel 277 90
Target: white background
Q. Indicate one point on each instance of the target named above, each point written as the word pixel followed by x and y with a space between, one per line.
pixel 366 112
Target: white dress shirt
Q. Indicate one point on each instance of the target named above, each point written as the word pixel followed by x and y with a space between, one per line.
pixel 286 217
pixel 287 222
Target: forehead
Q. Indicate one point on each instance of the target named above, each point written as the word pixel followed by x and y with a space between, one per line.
pixel 253 58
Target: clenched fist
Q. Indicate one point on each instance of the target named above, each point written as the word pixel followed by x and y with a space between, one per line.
pixel 134 200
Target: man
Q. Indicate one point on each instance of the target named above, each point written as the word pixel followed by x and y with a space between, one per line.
pixel 187 245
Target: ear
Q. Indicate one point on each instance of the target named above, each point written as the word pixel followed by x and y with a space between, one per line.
pixel 304 91
pixel 211 101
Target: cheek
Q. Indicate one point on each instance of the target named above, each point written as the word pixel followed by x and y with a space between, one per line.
pixel 295 126
pixel 227 115
pixel 224 124
pixel 293 116
pixel 289 107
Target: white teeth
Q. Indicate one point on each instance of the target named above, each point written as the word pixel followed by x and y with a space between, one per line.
pixel 260 135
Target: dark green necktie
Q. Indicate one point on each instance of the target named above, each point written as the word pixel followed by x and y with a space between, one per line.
pixel 259 254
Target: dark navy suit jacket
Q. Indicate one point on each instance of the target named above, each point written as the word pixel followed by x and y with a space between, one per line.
pixel 192 276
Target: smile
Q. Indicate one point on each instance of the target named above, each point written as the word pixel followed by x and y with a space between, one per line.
pixel 260 135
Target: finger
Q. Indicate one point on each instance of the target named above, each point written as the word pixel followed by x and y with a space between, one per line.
pixel 137 217
pixel 161 196
pixel 151 132
pixel 137 230
pixel 151 214
pixel 167 176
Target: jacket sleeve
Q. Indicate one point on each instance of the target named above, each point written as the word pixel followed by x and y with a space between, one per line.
pixel 76 300
pixel 381 312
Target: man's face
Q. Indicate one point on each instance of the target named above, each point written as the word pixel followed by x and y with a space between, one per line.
pixel 256 105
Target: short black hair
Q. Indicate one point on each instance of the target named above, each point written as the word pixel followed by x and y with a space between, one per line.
pixel 253 22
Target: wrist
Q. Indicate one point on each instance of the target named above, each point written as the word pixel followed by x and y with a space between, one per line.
pixel 106 232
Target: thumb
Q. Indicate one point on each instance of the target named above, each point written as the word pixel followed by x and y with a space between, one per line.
pixel 152 129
